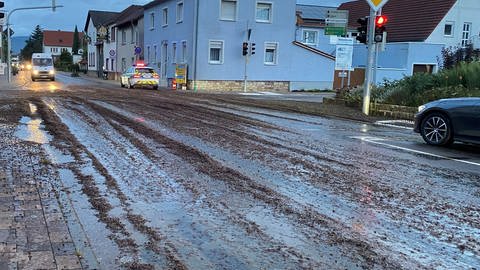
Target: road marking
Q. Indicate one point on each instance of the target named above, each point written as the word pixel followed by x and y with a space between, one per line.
pixel 261 94
pixel 378 141
pixel 393 123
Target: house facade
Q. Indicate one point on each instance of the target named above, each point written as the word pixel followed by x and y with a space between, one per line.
pixel 207 36
pixel 98 29
pixel 55 42
pixel 416 35
pixel 129 26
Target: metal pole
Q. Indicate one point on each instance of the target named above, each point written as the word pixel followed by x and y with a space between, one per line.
pixel 9 55
pixel 9 60
pixel 370 63
pixel 245 79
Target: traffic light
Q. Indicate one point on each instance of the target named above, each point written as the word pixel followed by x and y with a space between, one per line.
pixel 380 22
pixel 362 30
pixel 245 48
pixel 252 48
pixel 2 15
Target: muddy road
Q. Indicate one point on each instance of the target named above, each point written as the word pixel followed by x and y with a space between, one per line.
pixel 174 180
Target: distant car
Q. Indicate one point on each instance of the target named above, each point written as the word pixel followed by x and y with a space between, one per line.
pixel 140 75
pixel 444 121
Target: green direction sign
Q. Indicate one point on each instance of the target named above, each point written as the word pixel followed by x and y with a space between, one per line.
pixel 335 31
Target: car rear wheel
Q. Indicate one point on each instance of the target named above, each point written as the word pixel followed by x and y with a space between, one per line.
pixel 436 129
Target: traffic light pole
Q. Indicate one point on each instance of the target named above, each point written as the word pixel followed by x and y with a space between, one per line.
pixel 370 63
pixel 9 42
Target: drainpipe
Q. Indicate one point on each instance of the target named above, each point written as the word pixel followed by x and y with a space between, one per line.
pixel 195 43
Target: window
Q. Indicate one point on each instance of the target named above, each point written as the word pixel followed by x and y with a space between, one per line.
pixel 132 37
pixel 164 59
pixel 215 54
pixel 180 12
pixel 448 31
pixel 174 52
pixel 106 63
pixel 152 21
pixel 466 34
pixel 228 10
pixel 148 55
pixel 124 37
pixel 124 64
pixel 112 34
pixel 264 12
pixel 184 52
pixel 155 54
pixel 310 37
pixel 113 60
pixel 165 17
pixel 271 52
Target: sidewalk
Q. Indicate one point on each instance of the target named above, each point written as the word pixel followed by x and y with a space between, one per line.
pixel 33 231
pixel 4 85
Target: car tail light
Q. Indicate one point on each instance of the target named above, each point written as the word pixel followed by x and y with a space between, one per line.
pixel 155 76
pixel 136 76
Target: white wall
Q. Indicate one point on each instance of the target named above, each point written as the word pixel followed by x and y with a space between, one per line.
pixel 48 49
pixel 464 11
pixel 92 33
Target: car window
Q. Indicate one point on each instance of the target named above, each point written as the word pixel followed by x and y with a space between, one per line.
pixel 144 70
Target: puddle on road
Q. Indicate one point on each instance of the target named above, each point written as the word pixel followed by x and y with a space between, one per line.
pixel 31 129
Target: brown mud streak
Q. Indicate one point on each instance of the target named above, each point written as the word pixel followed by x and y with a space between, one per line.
pixel 61 134
pixel 232 126
pixel 137 221
pixel 208 166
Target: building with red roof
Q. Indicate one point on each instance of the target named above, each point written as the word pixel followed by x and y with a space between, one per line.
pixel 55 42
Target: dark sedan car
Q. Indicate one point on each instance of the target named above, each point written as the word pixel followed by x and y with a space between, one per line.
pixel 446 120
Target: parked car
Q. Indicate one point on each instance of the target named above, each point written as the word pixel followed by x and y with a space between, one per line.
pixel 444 121
pixel 140 75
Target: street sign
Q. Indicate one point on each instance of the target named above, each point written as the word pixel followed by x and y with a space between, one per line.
pixel 376 4
pixel 138 50
pixel 343 57
pixel 181 74
pixel 335 31
pixel 336 22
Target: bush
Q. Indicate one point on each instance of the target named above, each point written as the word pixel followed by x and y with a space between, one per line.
pixel 461 81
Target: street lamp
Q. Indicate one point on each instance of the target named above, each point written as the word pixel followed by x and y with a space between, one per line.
pixel 9 42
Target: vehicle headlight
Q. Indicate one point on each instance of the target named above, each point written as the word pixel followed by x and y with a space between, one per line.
pixel 421 108
pixel 29 66
pixel 51 72
pixel 35 72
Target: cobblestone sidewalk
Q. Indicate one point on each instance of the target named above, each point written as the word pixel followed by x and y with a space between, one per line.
pixel 33 232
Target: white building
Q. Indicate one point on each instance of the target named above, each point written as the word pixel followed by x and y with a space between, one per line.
pixel 55 42
pixel 97 29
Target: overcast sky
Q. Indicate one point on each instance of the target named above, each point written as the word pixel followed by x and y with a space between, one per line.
pixel 74 12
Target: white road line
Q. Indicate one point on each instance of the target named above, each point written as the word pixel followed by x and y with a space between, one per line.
pixel 392 123
pixel 378 141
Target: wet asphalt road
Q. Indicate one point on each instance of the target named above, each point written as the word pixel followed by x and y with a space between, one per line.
pixel 192 182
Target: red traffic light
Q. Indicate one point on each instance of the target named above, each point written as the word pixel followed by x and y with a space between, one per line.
pixel 381 20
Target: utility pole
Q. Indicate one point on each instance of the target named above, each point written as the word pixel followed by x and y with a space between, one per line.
pixel 9 42
pixel 370 63
pixel 245 79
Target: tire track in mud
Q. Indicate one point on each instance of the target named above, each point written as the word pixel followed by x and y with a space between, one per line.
pixel 306 215
pixel 90 115
pixel 65 140
pixel 138 222
pixel 381 203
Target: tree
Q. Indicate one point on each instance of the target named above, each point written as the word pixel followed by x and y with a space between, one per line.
pixel 65 61
pixel 34 44
pixel 76 41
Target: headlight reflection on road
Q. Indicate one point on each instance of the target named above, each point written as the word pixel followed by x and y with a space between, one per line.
pixel 52 88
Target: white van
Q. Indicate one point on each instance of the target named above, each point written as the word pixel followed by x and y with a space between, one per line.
pixel 42 66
